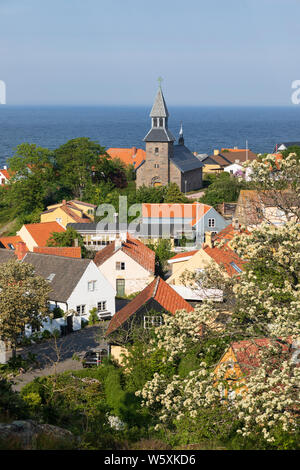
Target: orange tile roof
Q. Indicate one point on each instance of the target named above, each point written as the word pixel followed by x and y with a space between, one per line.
pixel 66 251
pixel 185 254
pixel 228 233
pixel 132 156
pixel 42 232
pixel 225 256
pixel 247 351
pixel 194 211
pixel 158 290
pixel 133 248
pixel 5 173
pixel 10 240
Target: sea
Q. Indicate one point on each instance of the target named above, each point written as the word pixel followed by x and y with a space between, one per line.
pixel 205 128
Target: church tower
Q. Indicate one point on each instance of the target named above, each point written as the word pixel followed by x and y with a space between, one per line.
pixel 159 146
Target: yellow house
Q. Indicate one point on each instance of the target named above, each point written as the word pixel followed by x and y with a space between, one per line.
pixel 201 259
pixel 68 212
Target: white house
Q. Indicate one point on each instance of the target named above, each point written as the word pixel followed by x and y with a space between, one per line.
pixel 127 264
pixel 236 169
pixel 4 176
pixel 77 287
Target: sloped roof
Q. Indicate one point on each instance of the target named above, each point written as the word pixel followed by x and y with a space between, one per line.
pixel 226 257
pixel 5 173
pixel 239 154
pixel 159 135
pixel 158 290
pixel 42 232
pixel 68 272
pixel 6 241
pixel 75 201
pixel 185 254
pixel 133 248
pixel 194 211
pixel 228 233
pixel 66 251
pixel 159 108
pixel 6 255
pixel 132 156
pixel 185 160
pixel 247 351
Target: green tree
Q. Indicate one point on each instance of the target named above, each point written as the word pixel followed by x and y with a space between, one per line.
pixel 67 238
pixel 23 300
pixel 173 195
pixel 224 188
pixel 163 252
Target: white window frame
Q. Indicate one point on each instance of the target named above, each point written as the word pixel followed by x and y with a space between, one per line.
pixel 103 306
pixel 92 286
pixel 80 309
pixel 212 223
pixel 120 266
pixel 152 321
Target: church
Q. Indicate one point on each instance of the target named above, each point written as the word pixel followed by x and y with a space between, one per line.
pixel 165 161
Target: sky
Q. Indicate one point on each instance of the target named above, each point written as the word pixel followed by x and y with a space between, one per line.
pixel 111 52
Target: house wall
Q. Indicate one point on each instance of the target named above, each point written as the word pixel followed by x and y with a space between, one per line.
pixel 27 238
pixel 202 226
pixel 212 168
pixel 200 260
pixel 136 277
pixel 193 180
pixel 116 353
pixel 233 371
pixel 104 291
pixel 85 209
pixel 57 214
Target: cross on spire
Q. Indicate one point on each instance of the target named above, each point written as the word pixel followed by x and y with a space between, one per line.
pixel 160 80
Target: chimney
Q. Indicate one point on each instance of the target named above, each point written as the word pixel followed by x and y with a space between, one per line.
pixel 64 202
pixel 235 224
pixel 209 239
pixel 134 150
pixel 216 152
pixel 118 242
pixel 21 250
pixel 4 167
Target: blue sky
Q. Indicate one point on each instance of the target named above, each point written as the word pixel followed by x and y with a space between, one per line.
pixel 209 52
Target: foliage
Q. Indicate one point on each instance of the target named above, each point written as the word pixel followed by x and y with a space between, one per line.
pixel 163 252
pixel 93 316
pixel 223 188
pixel 23 300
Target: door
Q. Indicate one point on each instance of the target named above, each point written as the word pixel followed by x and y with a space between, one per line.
pixel 120 287
pixel 70 323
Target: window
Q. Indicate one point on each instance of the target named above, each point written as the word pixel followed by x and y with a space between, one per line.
pixel 150 322
pixel 239 270
pixel 120 287
pixel 156 165
pixel 120 266
pixel 91 286
pixel 211 222
pixel 102 306
pixel 59 220
pixel 50 277
pixel 11 246
pixel 161 122
pixel 156 150
pixel 80 309
pixel 155 122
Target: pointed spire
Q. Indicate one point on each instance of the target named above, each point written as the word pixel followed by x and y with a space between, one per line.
pixel 159 108
pixel 181 138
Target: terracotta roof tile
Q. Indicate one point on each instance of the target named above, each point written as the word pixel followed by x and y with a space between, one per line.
pixel 5 173
pixel 132 156
pixel 228 233
pixel 226 257
pixel 194 211
pixel 6 241
pixel 43 231
pixel 158 290
pixel 133 248
pixel 185 254
pixel 68 252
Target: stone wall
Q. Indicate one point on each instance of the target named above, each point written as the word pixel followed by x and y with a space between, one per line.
pixel 147 173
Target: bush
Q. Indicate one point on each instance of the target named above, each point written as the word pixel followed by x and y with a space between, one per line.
pixel 93 317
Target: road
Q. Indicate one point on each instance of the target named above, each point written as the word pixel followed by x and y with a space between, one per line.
pixel 58 355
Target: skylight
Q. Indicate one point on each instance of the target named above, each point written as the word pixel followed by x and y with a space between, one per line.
pixel 51 277
pixel 239 270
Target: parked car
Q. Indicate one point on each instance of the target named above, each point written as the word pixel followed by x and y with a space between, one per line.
pixel 94 358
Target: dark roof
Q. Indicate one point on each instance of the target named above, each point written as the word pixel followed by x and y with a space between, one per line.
pixel 184 159
pixel 287 145
pixel 68 272
pixel 6 255
pixel 159 108
pixel 159 135
pixel 100 226
pixel 158 290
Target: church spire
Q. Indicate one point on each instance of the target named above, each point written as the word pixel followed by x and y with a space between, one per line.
pixel 159 114
pixel 181 138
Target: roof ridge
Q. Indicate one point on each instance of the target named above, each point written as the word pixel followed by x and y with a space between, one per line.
pixel 156 286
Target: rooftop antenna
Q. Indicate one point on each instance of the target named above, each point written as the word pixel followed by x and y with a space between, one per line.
pixel 246 150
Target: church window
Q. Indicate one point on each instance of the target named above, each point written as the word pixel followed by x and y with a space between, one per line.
pixel 155 122
pixel 156 165
pixel 161 122
pixel 156 151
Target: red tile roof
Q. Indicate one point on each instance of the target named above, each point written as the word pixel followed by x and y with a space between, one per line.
pixel 10 240
pixel 225 256
pixel 5 173
pixel 70 208
pixel 185 254
pixel 194 211
pixel 229 232
pixel 67 252
pixel 43 231
pixel 132 156
pixel 247 351
pixel 133 248
pixel 158 290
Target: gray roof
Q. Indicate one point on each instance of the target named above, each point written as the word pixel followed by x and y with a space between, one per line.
pixel 185 160
pixel 159 108
pixel 68 272
pixel 159 135
pixel 6 255
pixel 288 144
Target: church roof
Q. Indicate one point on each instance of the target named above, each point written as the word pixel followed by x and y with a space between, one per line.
pixel 159 135
pixel 184 159
pixel 159 108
